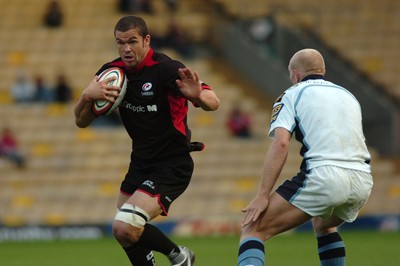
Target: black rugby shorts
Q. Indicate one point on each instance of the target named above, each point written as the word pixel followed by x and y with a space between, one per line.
pixel 166 178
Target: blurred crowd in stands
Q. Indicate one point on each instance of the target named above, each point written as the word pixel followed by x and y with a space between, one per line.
pixel 144 6
pixel 26 90
pixel 176 38
pixel 37 89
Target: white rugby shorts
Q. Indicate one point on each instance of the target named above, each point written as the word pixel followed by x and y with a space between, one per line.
pixel 329 191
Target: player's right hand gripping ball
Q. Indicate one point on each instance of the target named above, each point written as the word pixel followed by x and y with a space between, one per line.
pixel 104 107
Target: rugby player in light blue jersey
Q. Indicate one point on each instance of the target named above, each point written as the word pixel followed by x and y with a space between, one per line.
pixel 334 180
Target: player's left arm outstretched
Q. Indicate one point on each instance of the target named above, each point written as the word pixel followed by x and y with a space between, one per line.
pixel 190 87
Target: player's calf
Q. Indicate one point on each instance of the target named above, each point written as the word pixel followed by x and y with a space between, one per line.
pixel 251 252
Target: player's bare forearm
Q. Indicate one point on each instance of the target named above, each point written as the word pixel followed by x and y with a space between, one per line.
pixel 274 161
pixel 190 87
pixel 207 100
pixel 83 112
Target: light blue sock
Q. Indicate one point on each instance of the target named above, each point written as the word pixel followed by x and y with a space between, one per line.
pixel 251 252
pixel 331 250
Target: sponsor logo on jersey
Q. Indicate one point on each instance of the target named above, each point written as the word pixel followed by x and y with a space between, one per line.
pixel 275 112
pixel 134 108
pixel 152 108
pixel 140 108
pixel 146 89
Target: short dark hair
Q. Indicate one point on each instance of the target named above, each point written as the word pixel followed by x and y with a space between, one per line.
pixel 132 22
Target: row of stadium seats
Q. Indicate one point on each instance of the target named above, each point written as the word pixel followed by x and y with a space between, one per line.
pixel 70 176
pixel 365 32
pixel 74 180
pixel 72 173
pixel 345 25
pixel 81 44
pixel 63 179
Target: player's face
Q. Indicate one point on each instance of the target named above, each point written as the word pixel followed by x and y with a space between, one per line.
pixel 132 47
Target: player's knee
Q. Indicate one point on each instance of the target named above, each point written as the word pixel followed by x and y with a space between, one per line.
pixel 325 226
pixel 129 223
pixel 254 230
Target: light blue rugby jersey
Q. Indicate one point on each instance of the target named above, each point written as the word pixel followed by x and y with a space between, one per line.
pixel 327 120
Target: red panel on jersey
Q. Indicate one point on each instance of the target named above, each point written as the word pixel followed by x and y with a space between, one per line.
pixel 178 109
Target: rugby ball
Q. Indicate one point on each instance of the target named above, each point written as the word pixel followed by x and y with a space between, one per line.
pixel 104 107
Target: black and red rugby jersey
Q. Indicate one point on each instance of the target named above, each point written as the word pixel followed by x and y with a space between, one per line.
pixel 154 111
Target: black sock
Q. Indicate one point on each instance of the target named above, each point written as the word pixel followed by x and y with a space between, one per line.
pixel 153 239
pixel 140 256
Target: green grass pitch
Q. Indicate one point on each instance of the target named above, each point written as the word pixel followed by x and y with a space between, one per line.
pixel 366 248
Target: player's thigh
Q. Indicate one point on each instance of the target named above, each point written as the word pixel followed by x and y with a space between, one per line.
pixel 279 217
pixel 137 199
pixel 146 202
pixel 122 198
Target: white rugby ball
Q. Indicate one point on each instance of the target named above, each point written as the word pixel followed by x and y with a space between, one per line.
pixel 104 107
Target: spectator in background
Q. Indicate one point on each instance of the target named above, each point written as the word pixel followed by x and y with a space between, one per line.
pixel 177 39
pixel 53 17
pixel 9 148
pixel 239 123
pixel 135 6
pixel 172 5
pixel 262 31
pixel 23 89
pixel 43 93
pixel 62 90
pixel 127 6
pixel 147 6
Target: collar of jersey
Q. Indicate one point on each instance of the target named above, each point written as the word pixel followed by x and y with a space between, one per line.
pixel 313 77
pixel 148 61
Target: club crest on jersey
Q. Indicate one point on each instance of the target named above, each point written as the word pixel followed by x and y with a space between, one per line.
pixel 275 112
pixel 146 89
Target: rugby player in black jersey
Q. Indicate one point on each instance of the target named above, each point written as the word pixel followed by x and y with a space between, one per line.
pixel 154 112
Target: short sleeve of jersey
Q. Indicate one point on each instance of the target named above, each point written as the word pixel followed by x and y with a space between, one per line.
pixel 283 113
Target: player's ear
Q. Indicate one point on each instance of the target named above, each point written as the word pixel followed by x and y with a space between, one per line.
pixel 297 75
pixel 146 40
